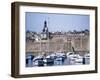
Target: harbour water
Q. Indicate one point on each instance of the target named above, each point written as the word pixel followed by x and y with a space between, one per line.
pixel 60 60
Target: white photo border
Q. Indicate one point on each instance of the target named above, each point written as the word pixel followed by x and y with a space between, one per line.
pixel 56 69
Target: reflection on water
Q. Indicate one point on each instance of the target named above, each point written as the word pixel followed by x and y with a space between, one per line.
pixel 36 61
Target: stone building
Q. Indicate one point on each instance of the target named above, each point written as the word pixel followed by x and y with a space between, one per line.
pixel 60 42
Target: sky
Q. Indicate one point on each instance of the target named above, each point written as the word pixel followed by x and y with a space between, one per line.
pixel 56 22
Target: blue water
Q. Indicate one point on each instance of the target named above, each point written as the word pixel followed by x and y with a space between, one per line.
pixel 56 62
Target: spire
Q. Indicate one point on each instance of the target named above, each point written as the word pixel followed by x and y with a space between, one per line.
pixel 45 24
pixel 45 29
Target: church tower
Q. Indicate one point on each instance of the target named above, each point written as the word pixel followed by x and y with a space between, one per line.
pixel 45 32
pixel 45 29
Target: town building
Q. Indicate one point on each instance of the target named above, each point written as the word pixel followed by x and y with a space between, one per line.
pixel 48 42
